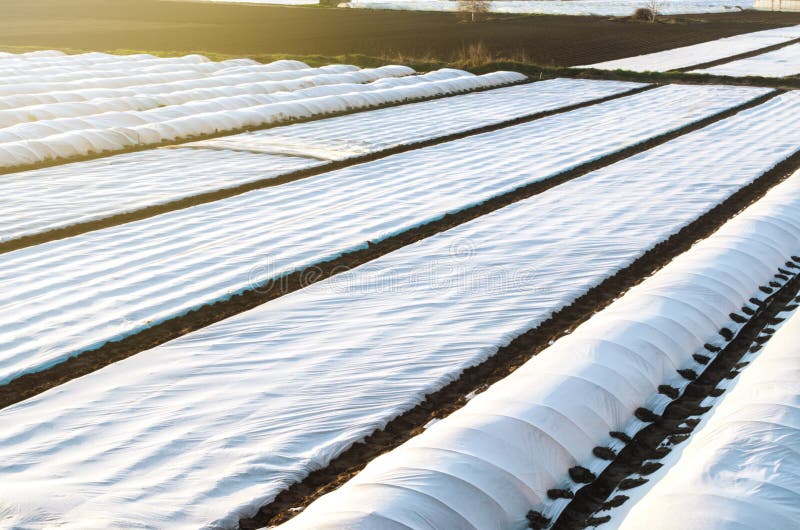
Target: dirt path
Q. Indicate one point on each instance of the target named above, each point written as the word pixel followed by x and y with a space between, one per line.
pixel 105 25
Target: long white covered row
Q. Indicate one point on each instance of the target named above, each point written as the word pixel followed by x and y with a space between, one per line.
pixel 133 78
pixel 782 62
pixel 279 75
pixel 26 73
pixel 485 466
pixel 44 199
pixel 23 108
pixel 99 61
pixel 205 429
pixel 152 127
pixel 741 469
pixel 184 77
pixel 45 70
pixel 40 121
pixel 140 81
pixel 78 293
pixel 54 57
pixel 701 53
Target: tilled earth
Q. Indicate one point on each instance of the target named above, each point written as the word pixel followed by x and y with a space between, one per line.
pixel 106 25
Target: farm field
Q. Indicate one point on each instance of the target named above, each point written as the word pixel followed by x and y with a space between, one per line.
pixel 196 27
pixel 405 349
pixel 55 197
pixel 307 292
pixel 96 123
pixel 482 466
pixel 160 266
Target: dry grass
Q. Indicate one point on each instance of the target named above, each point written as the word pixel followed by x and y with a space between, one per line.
pixel 468 56
pixel 475 55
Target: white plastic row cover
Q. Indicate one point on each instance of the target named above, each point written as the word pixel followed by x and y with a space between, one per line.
pixel 205 429
pixel 46 198
pixel 46 83
pixel 37 121
pixel 222 78
pixel 740 470
pixel 488 464
pixel 126 130
pixel 704 52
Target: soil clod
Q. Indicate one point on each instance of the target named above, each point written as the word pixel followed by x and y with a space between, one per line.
pixel 581 475
pixel 615 502
pixel 669 391
pixel 649 468
pixel 646 415
pixel 597 521
pixel 560 494
pixel 537 520
pixel 702 359
pixel 630 483
pixel 604 453
pixel 619 435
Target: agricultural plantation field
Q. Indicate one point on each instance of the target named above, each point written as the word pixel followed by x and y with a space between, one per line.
pixel 246 294
pixel 154 177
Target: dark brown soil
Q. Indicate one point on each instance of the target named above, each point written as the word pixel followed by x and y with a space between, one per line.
pixel 252 30
pixel 667 429
pixel 31 384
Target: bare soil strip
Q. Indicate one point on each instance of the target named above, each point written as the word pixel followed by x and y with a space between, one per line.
pixel 677 422
pixel 507 359
pixel 143 213
pixel 201 137
pixel 257 30
pixel 745 55
pixel 89 361
pixel 677 77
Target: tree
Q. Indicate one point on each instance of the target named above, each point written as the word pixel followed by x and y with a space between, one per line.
pixel 654 6
pixel 473 6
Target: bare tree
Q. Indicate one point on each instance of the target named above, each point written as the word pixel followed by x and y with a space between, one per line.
pixel 473 6
pixel 654 6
